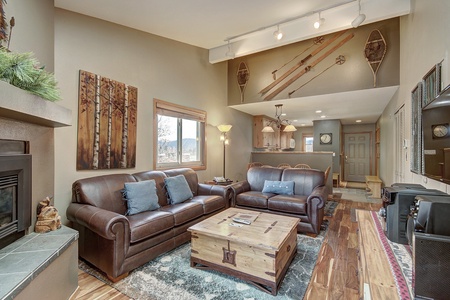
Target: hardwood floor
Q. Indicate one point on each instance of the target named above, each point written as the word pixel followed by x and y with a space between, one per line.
pixel 334 276
pixel 90 288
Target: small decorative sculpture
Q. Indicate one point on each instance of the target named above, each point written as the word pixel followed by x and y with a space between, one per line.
pixel 48 218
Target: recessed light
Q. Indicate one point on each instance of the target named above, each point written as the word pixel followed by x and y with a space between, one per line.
pixel 283 114
pixel 318 111
pixel 303 124
pixel 323 116
pixel 358 121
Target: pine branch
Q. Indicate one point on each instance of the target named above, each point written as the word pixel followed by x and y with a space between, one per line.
pixel 20 70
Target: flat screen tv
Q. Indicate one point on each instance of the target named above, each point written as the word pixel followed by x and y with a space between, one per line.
pixel 436 137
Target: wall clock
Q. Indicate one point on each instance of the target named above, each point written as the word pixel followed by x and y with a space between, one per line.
pixel 326 138
pixel 440 130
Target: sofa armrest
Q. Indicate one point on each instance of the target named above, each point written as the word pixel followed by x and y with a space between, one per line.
pixel 319 195
pixel 100 221
pixel 219 190
pixel 237 188
pixel 211 189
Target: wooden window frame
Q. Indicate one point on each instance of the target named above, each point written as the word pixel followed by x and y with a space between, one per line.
pixel 165 108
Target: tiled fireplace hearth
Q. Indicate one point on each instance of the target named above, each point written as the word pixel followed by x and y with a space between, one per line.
pixel 31 264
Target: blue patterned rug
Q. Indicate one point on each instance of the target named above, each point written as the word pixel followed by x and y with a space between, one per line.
pixel 170 276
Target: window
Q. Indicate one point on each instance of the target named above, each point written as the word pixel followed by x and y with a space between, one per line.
pixel 308 140
pixel 178 136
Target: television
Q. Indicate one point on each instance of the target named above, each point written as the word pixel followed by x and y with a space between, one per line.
pixel 436 137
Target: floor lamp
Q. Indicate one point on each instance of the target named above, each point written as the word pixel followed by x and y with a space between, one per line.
pixel 223 137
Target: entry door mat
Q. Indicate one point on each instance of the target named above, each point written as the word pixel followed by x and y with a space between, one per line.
pixel 169 276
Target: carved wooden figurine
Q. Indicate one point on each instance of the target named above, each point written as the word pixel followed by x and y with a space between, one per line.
pixel 48 218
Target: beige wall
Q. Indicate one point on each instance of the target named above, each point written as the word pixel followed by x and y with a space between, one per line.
pixel 33 31
pixel 159 68
pixel 424 41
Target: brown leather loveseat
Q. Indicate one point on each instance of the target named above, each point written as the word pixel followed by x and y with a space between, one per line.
pixel 303 194
pixel 117 243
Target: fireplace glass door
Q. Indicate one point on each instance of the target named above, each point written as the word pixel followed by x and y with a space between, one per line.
pixel 8 204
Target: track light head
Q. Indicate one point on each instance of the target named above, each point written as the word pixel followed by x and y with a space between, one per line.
pixel 229 52
pixel 319 22
pixel 360 18
pixel 278 34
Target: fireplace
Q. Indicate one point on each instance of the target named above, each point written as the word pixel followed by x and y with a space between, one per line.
pixel 15 191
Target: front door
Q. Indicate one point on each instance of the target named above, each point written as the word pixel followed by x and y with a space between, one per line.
pixel 357 156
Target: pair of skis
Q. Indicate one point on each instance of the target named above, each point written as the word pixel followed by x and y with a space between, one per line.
pixel 303 62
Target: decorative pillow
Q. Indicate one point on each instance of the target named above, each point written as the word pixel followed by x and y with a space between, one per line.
pixel 178 189
pixel 279 187
pixel 141 196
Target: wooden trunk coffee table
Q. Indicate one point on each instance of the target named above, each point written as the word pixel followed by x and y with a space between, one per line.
pixel 259 253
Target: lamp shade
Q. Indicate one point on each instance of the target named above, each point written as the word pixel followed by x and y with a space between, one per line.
pixel 289 128
pixel 267 129
pixel 224 127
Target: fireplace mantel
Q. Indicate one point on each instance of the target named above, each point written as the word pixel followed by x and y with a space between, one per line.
pixel 22 106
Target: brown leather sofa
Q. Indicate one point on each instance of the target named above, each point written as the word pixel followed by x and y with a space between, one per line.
pixel 117 243
pixel 307 202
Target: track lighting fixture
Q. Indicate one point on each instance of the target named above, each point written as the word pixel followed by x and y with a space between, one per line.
pixel 319 22
pixel 360 18
pixel 278 34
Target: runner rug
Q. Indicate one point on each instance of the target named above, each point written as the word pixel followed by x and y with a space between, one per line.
pixel 400 261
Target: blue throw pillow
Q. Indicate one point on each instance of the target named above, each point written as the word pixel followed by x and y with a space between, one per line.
pixel 141 196
pixel 279 187
pixel 178 189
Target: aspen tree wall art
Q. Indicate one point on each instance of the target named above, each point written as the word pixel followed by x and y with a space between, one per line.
pixel 107 113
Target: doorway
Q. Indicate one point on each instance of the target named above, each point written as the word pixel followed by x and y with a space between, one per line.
pixel 357 156
pixel 400 146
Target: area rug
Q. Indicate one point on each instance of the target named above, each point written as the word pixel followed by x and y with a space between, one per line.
pixel 330 207
pixel 170 277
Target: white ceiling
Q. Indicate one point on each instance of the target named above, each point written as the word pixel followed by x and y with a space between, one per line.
pixel 208 23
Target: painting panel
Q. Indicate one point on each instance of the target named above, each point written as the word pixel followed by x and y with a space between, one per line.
pixel 107 122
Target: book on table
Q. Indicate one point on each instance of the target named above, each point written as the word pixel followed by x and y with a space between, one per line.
pixel 245 218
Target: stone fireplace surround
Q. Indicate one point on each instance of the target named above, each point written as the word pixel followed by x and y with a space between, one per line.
pixel 25 117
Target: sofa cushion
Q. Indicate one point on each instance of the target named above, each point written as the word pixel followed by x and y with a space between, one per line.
pixel 158 177
pixel 140 196
pixel 279 187
pixel 184 212
pixel 295 204
pixel 211 203
pixel 256 177
pixel 149 223
pixel 306 180
pixel 253 199
pixel 178 189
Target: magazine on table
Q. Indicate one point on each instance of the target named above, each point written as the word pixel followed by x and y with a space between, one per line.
pixel 245 218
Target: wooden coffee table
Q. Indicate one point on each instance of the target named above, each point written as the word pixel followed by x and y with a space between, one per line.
pixel 259 253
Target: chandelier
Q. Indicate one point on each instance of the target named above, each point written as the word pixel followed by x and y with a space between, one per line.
pixel 278 122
